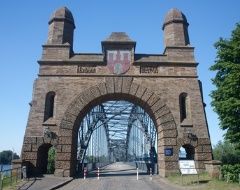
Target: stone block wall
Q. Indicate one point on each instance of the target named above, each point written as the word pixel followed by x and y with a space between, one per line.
pixel 81 81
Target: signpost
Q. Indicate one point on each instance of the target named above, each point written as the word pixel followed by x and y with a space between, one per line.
pixel 187 167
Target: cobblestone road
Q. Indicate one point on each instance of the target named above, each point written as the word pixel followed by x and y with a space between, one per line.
pixel 119 176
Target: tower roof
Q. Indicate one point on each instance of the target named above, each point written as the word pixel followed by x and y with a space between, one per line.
pixel 118 37
pixel 62 13
pixel 174 15
pixel 118 40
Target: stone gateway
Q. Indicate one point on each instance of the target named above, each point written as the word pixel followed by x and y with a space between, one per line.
pixel 70 84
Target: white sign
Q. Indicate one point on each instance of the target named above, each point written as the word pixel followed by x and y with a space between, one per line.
pixel 187 167
pixel 188 171
pixel 186 164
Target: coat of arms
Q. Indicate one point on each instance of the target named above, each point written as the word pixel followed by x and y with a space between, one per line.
pixel 118 61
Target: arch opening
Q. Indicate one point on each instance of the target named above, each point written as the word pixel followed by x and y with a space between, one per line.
pixel 115 131
pixel 115 89
pixel 46 159
pixel 186 152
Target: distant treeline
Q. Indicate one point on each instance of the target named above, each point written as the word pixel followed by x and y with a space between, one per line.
pixel 6 157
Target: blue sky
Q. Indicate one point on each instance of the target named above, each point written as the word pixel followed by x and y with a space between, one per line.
pixel 24 29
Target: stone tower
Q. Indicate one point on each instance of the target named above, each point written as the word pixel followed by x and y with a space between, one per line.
pixel 60 34
pixel 61 27
pixel 175 29
pixel 70 84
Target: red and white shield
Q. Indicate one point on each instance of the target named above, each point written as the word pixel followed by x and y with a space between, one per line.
pixel 118 61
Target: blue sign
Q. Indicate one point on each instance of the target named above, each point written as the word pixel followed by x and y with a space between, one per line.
pixel 168 151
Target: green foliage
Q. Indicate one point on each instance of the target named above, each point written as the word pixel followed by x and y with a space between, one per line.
pixel 103 159
pixel 6 157
pixel 226 97
pixel 226 152
pixel 234 171
pixel 91 159
pixel 205 182
pixel 51 160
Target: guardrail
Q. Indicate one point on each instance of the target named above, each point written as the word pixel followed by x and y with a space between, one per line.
pixel 10 177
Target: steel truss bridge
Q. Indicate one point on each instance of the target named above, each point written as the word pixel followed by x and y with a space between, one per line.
pixel 117 131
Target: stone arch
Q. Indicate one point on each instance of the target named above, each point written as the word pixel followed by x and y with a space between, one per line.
pixel 42 157
pixel 117 88
pixel 202 150
pixel 32 151
pixel 188 142
pixel 189 150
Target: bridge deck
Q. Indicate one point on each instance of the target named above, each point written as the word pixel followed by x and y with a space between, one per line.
pixel 117 176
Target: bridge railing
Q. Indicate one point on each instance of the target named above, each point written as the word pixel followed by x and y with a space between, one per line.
pixel 10 177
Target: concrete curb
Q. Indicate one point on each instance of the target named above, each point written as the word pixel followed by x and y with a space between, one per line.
pixel 60 184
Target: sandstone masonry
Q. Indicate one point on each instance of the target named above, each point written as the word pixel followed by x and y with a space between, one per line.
pixel 165 85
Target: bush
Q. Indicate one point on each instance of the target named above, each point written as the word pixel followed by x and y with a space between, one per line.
pixel 234 171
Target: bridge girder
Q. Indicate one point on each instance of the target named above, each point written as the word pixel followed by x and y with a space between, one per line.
pixel 117 118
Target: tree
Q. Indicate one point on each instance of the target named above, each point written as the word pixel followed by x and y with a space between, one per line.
pixel 6 157
pixel 51 160
pixel 226 152
pixel 226 97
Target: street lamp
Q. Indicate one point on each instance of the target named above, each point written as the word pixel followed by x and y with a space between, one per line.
pixel 12 153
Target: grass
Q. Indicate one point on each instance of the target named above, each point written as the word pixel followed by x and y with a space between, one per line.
pixel 6 181
pixel 205 182
pixel 13 187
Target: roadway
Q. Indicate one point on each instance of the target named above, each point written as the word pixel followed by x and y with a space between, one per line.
pixel 119 176
pixel 116 176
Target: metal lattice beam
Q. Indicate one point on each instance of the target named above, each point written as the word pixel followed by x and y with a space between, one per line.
pixel 123 123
